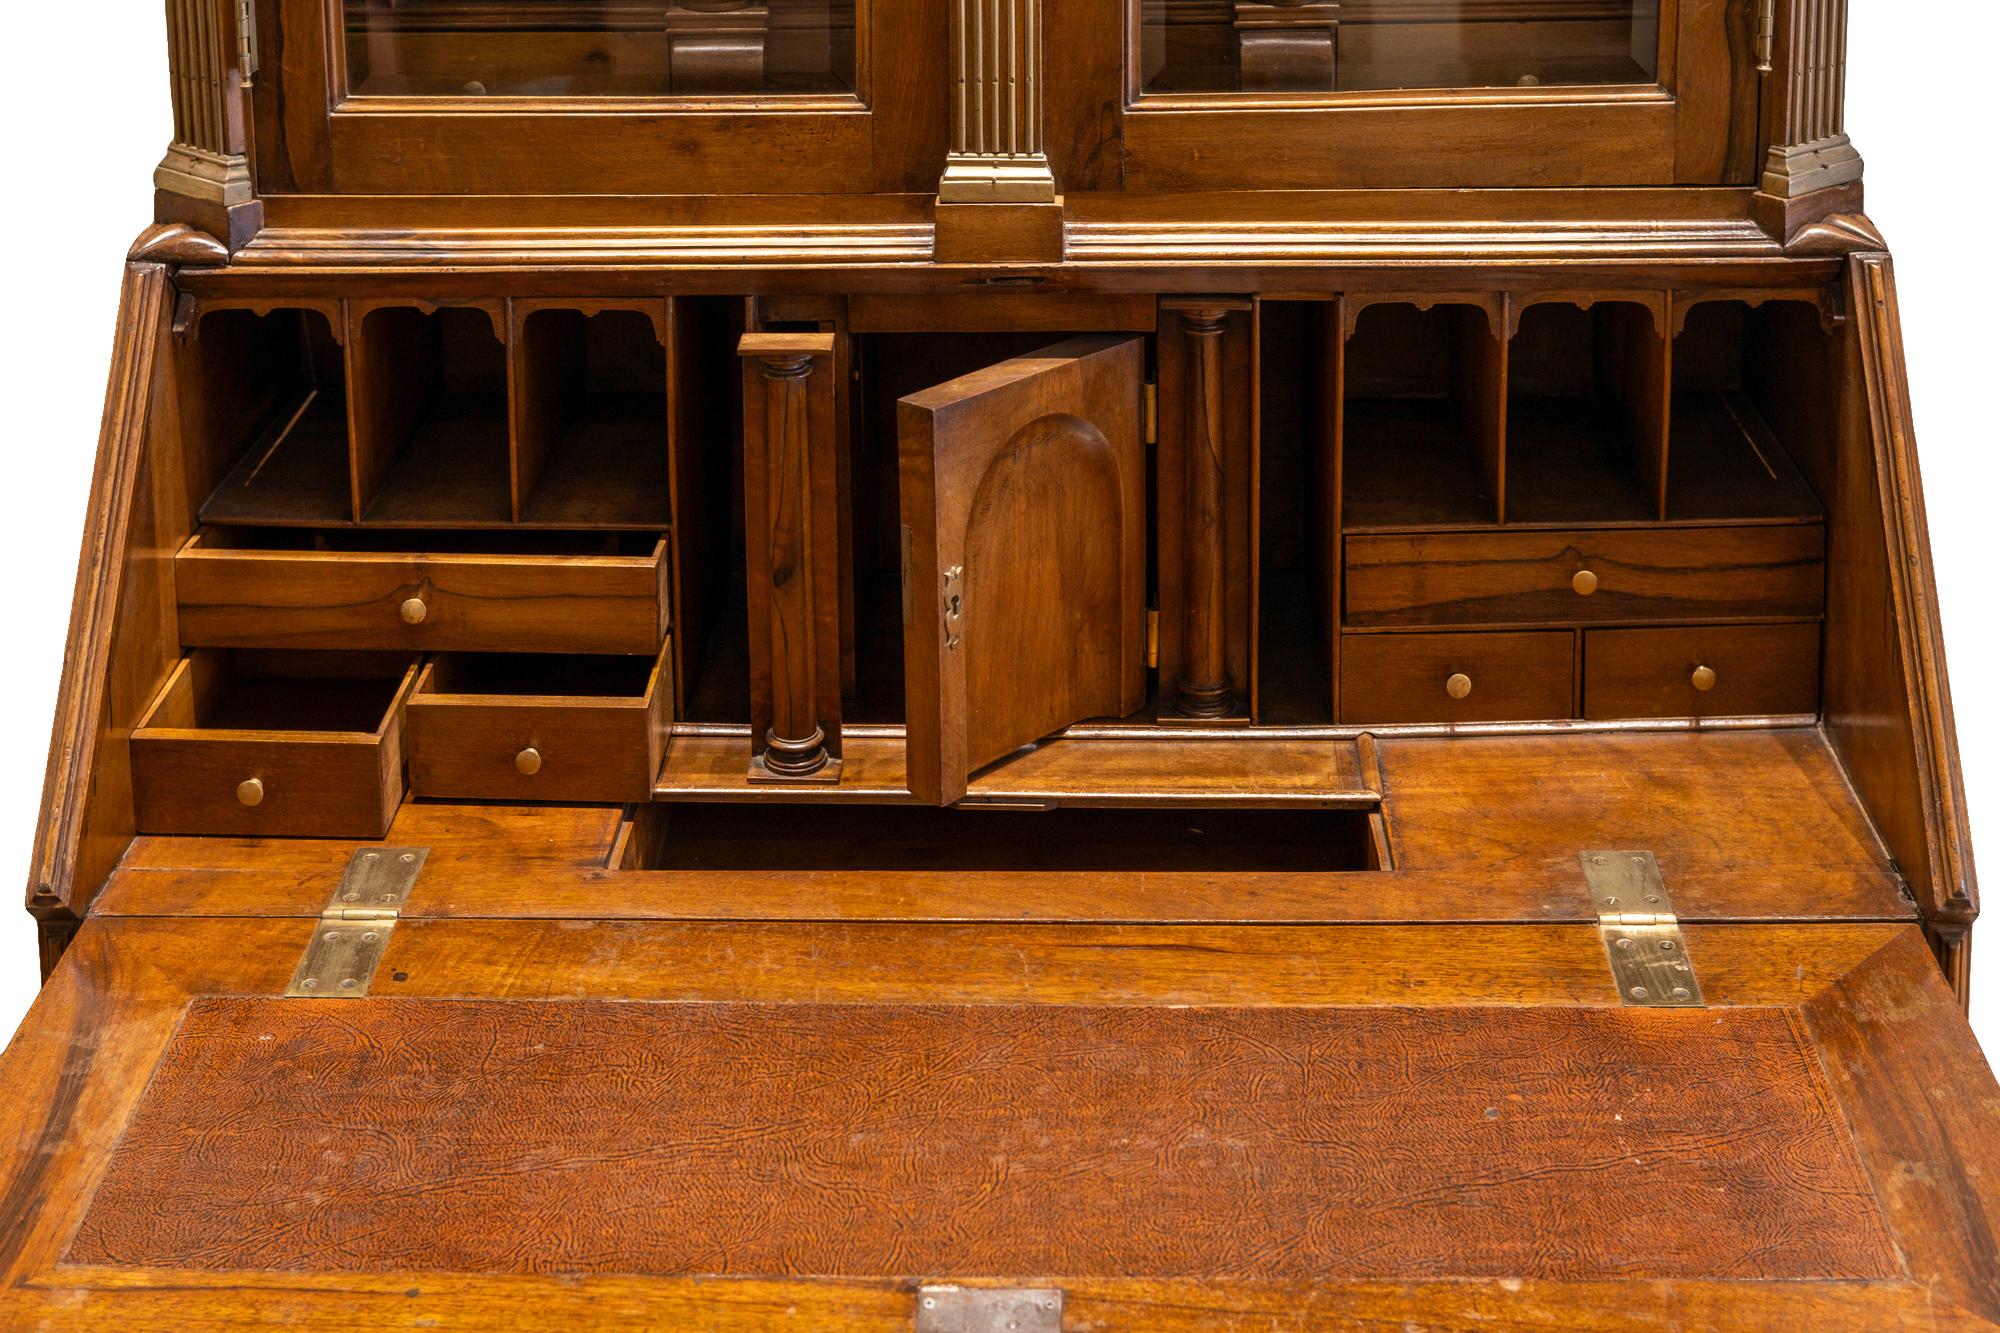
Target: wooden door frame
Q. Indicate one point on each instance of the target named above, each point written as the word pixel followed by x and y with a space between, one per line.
pixel 888 136
pixel 1696 126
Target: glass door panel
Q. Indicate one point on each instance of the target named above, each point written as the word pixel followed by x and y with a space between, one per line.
pixel 598 48
pixel 1308 46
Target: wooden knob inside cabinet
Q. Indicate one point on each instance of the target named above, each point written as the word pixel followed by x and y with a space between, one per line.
pixel 1704 679
pixel 415 610
pixel 250 791
pixel 1459 686
pixel 1585 583
pixel 528 762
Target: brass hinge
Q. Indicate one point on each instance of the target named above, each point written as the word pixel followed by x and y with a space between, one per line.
pixel 1152 638
pixel 1767 34
pixel 989 1310
pixel 1152 413
pixel 246 41
pixel 1642 936
pixel 353 931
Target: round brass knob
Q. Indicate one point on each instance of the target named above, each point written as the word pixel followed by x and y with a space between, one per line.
pixel 250 791
pixel 1585 583
pixel 528 762
pixel 1459 686
pixel 415 610
pixel 1704 679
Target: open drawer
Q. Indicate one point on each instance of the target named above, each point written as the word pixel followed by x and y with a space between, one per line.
pixel 462 592
pixel 273 744
pixel 537 727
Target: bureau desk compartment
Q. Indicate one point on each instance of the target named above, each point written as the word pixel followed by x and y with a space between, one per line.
pixel 540 728
pixel 483 592
pixel 1701 671
pixel 273 744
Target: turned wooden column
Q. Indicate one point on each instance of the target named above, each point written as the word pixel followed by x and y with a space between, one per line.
pixel 791 540
pixel 1805 101
pixel 204 180
pixel 1207 538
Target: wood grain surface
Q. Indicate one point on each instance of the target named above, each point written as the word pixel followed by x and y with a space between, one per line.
pixel 865 1140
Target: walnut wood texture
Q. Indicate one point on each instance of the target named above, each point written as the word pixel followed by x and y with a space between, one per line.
pixel 121 643
pixel 572 730
pixel 1741 671
pixel 579 600
pixel 1207 508
pixel 1786 1000
pixel 1474 579
pixel 1888 695
pixel 792 525
pixel 1024 496
pixel 958 1140
pixel 1457 677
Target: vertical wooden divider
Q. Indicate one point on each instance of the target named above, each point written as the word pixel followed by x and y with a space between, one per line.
pixel 544 386
pixel 1332 471
pixel 1207 507
pixel 1480 338
pixel 391 365
pixel 791 526
pixel 1635 363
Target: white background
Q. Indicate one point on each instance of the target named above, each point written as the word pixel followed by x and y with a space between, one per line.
pixel 81 184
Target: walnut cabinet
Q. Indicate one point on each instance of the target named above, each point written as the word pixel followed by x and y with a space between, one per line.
pixel 980 664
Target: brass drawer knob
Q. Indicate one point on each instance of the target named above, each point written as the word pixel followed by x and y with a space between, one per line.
pixel 1704 679
pixel 528 762
pixel 1585 583
pixel 250 791
pixel 415 610
pixel 1459 686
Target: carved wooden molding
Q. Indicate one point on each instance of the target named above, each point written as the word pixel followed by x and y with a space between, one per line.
pixel 177 243
pixel 791 517
pixel 1807 99
pixel 208 58
pixel 997 149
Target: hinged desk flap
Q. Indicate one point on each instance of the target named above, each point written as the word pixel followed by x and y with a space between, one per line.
pixel 1010 1105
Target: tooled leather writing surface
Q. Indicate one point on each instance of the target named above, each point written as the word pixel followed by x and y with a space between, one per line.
pixel 807 1139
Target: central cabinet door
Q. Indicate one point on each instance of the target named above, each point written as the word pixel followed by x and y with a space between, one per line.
pixel 1024 513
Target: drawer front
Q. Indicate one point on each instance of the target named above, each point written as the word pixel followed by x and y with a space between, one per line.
pixel 306 787
pixel 1725 671
pixel 1505 578
pixel 525 748
pixel 456 603
pixel 1409 678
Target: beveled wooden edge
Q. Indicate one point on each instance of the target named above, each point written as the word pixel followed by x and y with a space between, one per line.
pixel 177 243
pixel 83 1053
pixel 70 786
pixel 1920 1102
pixel 1950 897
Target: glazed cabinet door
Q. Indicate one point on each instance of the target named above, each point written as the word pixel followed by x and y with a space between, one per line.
pixel 1024 512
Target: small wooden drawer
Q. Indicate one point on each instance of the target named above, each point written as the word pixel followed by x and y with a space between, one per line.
pixel 1730 671
pixel 274 744
pixel 1397 678
pixel 539 728
pixel 505 593
pixel 1585 577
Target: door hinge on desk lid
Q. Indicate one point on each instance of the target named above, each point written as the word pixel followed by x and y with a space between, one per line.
pixel 1152 413
pixel 353 932
pixel 1767 34
pixel 989 1310
pixel 1642 936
